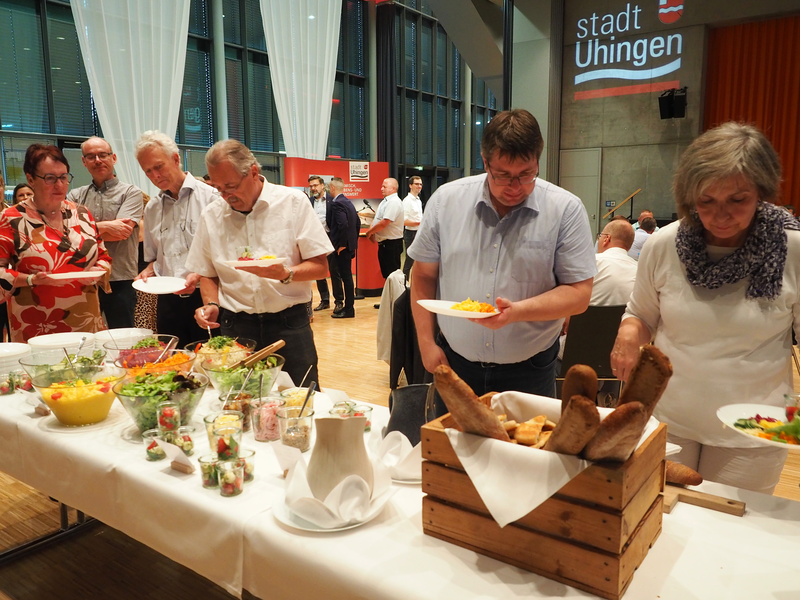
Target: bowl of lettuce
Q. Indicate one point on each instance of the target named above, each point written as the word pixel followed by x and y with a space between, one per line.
pixel 141 395
pixel 45 361
pixel 226 380
pixel 220 352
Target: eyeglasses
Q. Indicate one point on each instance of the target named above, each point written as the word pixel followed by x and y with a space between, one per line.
pixel 231 189
pixel 503 180
pixel 599 235
pixel 100 155
pixel 51 179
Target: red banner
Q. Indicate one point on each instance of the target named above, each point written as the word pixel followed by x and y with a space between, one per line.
pixel 362 180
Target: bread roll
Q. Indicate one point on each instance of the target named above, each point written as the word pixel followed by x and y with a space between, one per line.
pixel 469 413
pixel 618 434
pixel 648 379
pixel 578 425
pixel 682 475
pixel 580 380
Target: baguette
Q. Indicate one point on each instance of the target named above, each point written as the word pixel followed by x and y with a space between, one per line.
pixel 618 434
pixel 467 410
pixel 579 423
pixel 682 475
pixel 580 380
pixel 648 379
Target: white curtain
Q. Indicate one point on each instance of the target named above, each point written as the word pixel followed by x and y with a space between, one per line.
pixel 302 43
pixel 134 52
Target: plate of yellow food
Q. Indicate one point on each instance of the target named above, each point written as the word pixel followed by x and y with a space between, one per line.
pixel 264 260
pixel 467 309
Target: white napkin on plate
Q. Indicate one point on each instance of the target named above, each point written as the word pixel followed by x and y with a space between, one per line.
pixel 403 461
pixel 349 502
pixel 512 480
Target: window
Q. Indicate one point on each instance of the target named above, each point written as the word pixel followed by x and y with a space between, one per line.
pixel 198 18
pixel 72 98
pixel 23 91
pixel 428 69
pixel 195 125
pixel 234 94
pixel 484 107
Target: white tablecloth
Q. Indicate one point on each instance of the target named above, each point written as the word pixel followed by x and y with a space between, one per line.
pixel 237 542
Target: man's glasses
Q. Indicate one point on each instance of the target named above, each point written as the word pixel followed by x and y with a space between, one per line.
pixel 230 189
pixel 51 179
pixel 600 235
pixel 504 180
pixel 100 155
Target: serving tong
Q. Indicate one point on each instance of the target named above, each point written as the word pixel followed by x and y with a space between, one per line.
pixel 251 360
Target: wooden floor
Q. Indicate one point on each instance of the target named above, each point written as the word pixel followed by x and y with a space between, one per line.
pixel 102 563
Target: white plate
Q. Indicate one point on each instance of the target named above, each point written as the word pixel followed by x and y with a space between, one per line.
pixel 284 514
pixel 160 285
pixel 442 307
pixel 264 262
pixel 76 275
pixel 732 412
pixel 68 339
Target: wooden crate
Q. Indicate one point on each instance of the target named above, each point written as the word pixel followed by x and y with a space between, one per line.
pixel 591 535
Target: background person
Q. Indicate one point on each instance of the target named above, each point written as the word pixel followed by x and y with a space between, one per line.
pixel 117 208
pixel 647 228
pixel 387 228
pixel 717 292
pixel 49 234
pixel 170 222
pixel 616 271
pixel 344 237
pixel 321 200
pixel 412 214
pixel 261 303
pixel 509 238
pixel 22 192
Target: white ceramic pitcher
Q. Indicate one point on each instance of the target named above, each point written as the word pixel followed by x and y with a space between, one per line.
pixel 339 451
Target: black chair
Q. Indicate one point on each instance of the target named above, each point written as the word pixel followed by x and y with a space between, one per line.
pixel 590 338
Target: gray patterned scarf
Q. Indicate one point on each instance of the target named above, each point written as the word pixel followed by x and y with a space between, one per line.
pixel 761 258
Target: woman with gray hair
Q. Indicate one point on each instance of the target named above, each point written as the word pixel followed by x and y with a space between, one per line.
pixel 718 292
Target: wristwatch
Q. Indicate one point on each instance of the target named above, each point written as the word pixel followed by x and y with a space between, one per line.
pixel 289 277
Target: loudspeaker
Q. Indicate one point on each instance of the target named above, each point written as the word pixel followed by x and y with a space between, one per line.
pixel 679 103
pixel 666 104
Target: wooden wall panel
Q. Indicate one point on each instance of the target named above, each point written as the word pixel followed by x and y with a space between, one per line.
pixel 754 77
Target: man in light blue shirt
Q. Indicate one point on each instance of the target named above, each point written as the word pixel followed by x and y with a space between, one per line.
pixel 508 239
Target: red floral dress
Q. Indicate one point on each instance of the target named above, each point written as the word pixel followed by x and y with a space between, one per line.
pixel 29 245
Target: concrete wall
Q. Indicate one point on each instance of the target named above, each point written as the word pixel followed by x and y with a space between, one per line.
pixel 531 64
pixel 639 149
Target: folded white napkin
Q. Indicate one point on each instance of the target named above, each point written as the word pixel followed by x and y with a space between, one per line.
pixel 403 461
pixel 347 503
pixel 512 480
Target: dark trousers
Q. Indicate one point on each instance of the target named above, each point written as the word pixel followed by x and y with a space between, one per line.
pixel 118 306
pixel 389 253
pixel 408 238
pixel 536 375
pixel 342 283
pixel 290 325
pixel 322 284
pixel 176 317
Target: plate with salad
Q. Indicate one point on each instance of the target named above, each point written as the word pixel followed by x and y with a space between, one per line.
pixel 221 351
pixel 767 425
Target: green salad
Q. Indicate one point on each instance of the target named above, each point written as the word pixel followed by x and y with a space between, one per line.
pixel 226 381
pixel 78 361
pixel 148 343
pixel 141 396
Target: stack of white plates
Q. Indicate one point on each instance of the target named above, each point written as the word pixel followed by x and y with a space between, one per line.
pixel 10 354
pixel 56 341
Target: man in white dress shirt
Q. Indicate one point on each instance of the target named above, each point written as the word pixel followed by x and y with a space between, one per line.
pixel 412 213
pixel 387 228
pixel 265 303
pixel 616 271
pixel 170 222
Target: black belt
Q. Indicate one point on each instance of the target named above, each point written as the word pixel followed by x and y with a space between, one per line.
pixel 262 317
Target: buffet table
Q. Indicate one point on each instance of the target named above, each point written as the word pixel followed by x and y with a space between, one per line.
pixel 238 543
